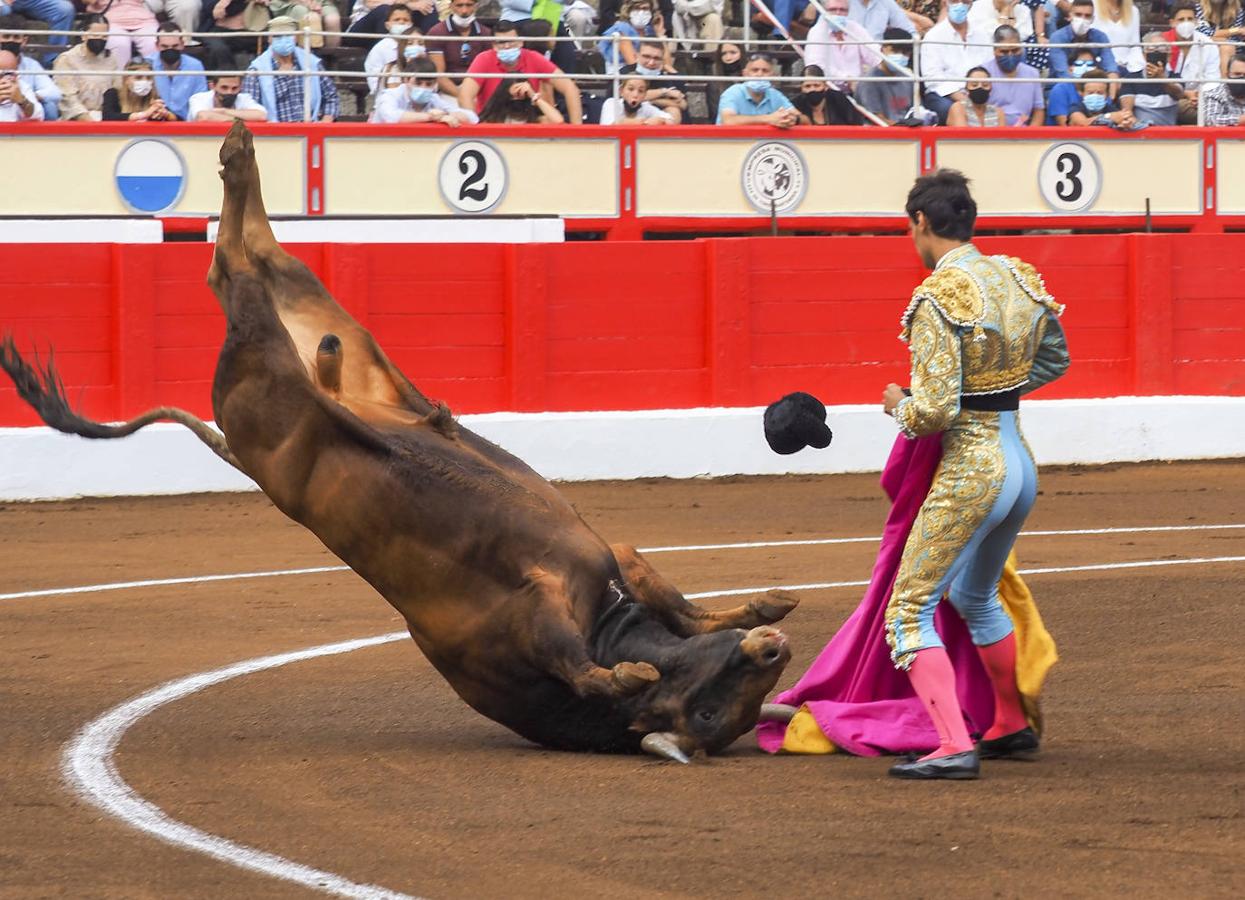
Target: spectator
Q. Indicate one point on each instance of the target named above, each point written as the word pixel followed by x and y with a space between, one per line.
pixel 1225 103
pixel 176 90
pixel 455 57
pixel 282 94
pixel 922 13
pixel 976 110
pixel 390 75
pixel 756 101
pixel 385 52
pixel 317 15
pixel 581 22
pixel 1196 64
pixel 1222 21
pixel 1021 101
pixel 820 104
pixel 889 100
pixel 1080 30
pixel 225 102
pixel 131 28
pixel 184 14
pixel 728 62
pixel 1153 103
pixel 952 46
pixel 370 16
pixel 668 96
pixel 990 14
pixel 34 77
pixel 1066 95
pixel 82 96
pixel 226 17
pixel 59 14
pixel 517 102
pixel 1094 105
pixel 879 16
pixel 508 57
pixel 137 99
pixel 1120 21
pixel 841 48
pixel 549 12
pixel 630 108
pixel 697 21
pixel 416 99
pixel 17 102
pixel 637 22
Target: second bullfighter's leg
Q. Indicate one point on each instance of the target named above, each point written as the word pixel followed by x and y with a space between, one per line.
pixel 686 618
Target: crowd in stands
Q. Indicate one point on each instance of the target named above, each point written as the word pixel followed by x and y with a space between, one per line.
pixel 655 62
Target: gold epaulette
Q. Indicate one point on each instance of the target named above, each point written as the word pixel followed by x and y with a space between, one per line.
pixel 953 292
pixel 1031 282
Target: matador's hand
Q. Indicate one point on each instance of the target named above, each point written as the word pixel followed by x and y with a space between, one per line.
pixel 891 397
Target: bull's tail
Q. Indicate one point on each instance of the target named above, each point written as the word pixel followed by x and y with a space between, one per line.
pixel 41 386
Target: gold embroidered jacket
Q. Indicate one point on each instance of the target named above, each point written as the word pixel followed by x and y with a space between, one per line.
pixel 978 325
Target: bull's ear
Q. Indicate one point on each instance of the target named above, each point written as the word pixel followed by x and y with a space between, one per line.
pixel 658 717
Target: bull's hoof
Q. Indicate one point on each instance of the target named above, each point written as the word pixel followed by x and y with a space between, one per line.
pixel 236 153
pixel 631 677
pixel 774 606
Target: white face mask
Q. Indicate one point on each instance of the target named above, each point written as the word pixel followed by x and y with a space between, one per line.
pixel 1184 30
pixel 398 29
pixel 640 18
pixel 462 21
pixel 141 87
pixel 1080 27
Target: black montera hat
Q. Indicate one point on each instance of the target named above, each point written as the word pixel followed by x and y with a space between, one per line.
pixel 796 421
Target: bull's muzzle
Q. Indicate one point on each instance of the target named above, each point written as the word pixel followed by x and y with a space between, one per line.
pixel 766 646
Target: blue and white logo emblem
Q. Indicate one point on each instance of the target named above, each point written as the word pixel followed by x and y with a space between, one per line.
pixel 150 176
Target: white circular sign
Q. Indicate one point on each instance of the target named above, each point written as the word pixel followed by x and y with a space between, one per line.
pixel 1069 177
pixel 472 176
pixel 774 176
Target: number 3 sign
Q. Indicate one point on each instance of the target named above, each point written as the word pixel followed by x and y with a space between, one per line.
pixel 472 177
pixel 1069 177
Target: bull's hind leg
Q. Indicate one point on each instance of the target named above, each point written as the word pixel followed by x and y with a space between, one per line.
pixel 686 618
pixel 229 257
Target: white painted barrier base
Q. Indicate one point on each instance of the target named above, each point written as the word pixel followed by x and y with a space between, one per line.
pixel 38 463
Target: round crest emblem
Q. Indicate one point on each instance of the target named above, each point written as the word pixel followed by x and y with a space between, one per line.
pixel 774 173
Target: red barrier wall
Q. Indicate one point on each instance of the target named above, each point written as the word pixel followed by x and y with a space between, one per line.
pixel 645 325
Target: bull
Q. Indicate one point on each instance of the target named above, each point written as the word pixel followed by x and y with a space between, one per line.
pixel 533 619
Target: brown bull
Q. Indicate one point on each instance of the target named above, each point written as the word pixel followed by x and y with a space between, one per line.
pixel 533 619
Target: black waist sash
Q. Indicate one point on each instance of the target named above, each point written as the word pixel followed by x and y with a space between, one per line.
pixel 1007 400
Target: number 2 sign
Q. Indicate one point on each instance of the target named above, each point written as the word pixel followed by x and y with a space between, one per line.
pixel 1069 177
pixel 472 176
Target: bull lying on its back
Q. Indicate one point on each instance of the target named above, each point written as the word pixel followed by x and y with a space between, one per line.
pixel 534 620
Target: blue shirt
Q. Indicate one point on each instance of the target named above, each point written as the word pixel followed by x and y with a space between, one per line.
pixel 176 90
pixel 1104 59
pixel 878 16
pixel 623 29
pixel 737 99
pixel 1062 100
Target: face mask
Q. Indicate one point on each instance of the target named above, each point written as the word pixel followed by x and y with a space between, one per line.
pixel 398 29
pixel 96 45
pixel 1236 87
pixel 1080 67
pixel 170 56
pixel 1095 102
pixel 420 96
pixel 897 60
pixel 732 68
pixel 1080 27
pixel 414 51
pixel 979 96
pixel 284 45
pixel 837 22
pixel 227 100
pixel 957 13
pixel 461 21
pixel 14 47
pixel 1009 63
pixel 814 97
pixel 1184 30
pixel 141 87
pixel 509 56
pixel 640 18
pixel 645 70
pixel 756 86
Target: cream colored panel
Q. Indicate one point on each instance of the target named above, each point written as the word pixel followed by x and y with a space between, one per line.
pixel 67 175
pixel 1231 177
pixel 705 178
pixel 398 176
pixel 1005 181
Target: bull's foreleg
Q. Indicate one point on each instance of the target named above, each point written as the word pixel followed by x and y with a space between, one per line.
pixel 686 618
pixel 236 158
pixel 559 647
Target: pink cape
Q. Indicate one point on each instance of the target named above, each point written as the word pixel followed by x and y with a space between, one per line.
pixel 861 702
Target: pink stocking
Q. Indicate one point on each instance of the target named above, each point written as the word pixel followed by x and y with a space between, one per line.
pixel 999 659
pixel 933 679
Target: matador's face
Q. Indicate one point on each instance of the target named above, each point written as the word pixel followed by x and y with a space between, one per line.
pixel 922 239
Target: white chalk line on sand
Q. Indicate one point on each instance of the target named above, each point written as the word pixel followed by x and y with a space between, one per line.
pixel 689 548
pixel 89 768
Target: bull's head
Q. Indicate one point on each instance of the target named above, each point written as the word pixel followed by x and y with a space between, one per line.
pixel 711 690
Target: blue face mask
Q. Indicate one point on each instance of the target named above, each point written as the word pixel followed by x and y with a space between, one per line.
pixel 837 23
pixel 509 56
pixel 756 86
pixel 420 96
pixel 645 70
pixel 897 60
pixel 1095 102
pixel 957 13
pixel 283 45
pixel 1009 63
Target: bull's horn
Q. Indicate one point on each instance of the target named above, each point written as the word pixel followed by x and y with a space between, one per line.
pixel 777 712
pixel 664 744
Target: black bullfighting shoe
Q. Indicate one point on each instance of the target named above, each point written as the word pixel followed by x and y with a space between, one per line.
pixel 960 766
pixel 1022 744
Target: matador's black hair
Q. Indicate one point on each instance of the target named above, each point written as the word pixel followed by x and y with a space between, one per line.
pixel 948 206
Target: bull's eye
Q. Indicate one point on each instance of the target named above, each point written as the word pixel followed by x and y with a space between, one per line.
pixel 706 715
